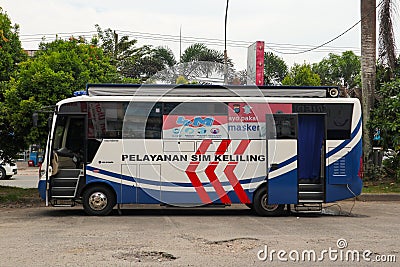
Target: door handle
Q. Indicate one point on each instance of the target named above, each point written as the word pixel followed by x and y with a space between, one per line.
pixel 273 166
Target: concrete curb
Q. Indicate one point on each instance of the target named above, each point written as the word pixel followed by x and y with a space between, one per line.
pixel 379 197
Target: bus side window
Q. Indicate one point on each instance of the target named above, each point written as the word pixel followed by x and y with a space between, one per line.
pixel 143 120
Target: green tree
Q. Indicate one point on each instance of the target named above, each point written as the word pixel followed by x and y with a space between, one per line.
pixel 275 69
pixel 11 54
pixel 200 52
pixel 385 118
pixel 123 52
pixel 302 75
pixel 151 61
pixel 387 43
pixel 204 61
pixel 58 69
pixel 344 70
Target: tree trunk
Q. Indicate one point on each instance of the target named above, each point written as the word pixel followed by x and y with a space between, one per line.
pixel 368 74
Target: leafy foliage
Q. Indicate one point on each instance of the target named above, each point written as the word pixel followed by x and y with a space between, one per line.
pixel 341 70
pixel 121 51
pixel 385 114
pixel 387 43
pixel 134 63
pixel 385 118
pixel 275 69
pixel 200 52
pixel 152 61
pixel 11 52
pixel 205 61
pixel 302 75
pixel 58 69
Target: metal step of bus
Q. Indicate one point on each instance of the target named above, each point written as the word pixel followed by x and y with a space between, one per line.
pixel 308 208
pixel 311 187
pixel 62 192
pixel 67 173
pixel 63 203
pixel 311 195
pixel 64 182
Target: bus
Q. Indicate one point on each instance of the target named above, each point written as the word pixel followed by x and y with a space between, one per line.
pixel 272 148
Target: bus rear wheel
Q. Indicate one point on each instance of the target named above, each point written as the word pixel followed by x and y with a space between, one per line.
pixel 98 200
pixel 261 206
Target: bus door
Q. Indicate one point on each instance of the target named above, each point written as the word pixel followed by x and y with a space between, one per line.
pixel 311 138
pixel 282 158
pixel 68 155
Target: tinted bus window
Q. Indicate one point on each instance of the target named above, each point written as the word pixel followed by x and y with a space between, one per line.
pixel 282 126
pixel 338 118
pixel 73 107
pixel 124 120
pixel 143 121
pixel 196 108
pixel 105 119
pixel 339 121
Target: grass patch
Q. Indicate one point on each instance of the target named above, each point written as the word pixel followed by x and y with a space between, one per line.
pixel 16 195
pixel 381 187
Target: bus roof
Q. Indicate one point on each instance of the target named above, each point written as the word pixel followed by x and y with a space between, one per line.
pixel 194 90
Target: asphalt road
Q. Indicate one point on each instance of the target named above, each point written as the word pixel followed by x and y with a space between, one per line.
pixel 158 236
pixel 27 177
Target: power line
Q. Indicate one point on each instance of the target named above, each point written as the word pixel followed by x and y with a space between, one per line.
pixel 330 41
pixel 188 40
pixel 294 49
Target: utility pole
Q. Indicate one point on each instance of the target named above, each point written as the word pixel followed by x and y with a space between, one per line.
pixel 225 51
pixel 180 44
pixel 368 74
pixel 115 45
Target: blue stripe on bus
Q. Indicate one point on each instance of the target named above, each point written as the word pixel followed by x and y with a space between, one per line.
pixel 158 183
pixel 286 162
pixel 131 194
pixel 346 142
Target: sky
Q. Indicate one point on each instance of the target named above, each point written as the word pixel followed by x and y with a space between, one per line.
pixel 286 26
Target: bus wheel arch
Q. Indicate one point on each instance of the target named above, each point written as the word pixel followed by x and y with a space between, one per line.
pixel 261 206
pixel 98 199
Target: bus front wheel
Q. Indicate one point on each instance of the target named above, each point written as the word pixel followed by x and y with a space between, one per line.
pixel 261 206
pixel 2 173
pixel 98 200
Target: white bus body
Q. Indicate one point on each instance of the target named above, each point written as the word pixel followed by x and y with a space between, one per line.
pixel 201 149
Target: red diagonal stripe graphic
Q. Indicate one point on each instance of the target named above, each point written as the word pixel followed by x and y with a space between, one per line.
pixel 203 146
pixel 223 147
pixel 242 147
pixel 235 182
pixel 210 172
pixel 198 186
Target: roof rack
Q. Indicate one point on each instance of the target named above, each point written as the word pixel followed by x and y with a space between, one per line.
pixel 210 90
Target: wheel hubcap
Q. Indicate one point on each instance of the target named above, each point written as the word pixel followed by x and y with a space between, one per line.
pixel 97 201
pixel 266 206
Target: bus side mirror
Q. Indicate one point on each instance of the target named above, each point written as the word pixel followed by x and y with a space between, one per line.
pixel 35 119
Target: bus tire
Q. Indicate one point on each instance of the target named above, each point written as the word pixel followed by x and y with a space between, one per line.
pixel 2 173
pixel 261 206
pixel 98 200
